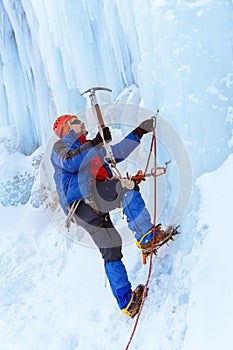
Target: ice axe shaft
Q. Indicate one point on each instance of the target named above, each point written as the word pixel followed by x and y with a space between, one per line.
pixel 95 105
pixel 97 110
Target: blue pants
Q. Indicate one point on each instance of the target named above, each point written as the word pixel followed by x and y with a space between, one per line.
pixel 107 196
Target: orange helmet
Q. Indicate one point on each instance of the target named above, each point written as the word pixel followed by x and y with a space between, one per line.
pixel 59 123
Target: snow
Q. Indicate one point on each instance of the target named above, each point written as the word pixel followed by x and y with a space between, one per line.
pixel 210 311
pixel 153 54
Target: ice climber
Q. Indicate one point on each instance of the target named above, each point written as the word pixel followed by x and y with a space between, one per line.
pixel 83 177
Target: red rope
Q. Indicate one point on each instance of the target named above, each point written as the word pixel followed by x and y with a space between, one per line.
pixel 152 249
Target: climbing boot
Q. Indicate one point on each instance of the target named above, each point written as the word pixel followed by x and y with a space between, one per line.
pixel 134 304
pixel 160 237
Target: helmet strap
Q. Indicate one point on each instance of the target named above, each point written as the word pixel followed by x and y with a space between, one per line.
pixel 64 130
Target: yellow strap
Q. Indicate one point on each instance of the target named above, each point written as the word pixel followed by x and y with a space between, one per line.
pixel 125 310
pixel 105 277
pixel 138 243
pixel 122 210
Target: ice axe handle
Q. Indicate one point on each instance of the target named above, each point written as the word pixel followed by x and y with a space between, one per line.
pixel 99 116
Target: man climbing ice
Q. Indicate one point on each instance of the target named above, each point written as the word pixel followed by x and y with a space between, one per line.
pixel 88 191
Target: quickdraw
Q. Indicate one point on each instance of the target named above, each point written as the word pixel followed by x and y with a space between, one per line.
pixel 139 177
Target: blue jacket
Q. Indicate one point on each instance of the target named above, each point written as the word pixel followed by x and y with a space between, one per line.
pixel 71 162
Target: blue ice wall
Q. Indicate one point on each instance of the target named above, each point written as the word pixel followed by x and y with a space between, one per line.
pixel 179 55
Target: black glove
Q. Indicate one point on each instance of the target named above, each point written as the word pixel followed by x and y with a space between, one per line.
pixel 107 134
pixel 143 128
pixel 98 141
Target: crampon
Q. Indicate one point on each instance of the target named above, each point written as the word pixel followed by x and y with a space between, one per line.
pixel 169 234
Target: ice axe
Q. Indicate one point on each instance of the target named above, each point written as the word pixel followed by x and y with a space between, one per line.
pixel 109 158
